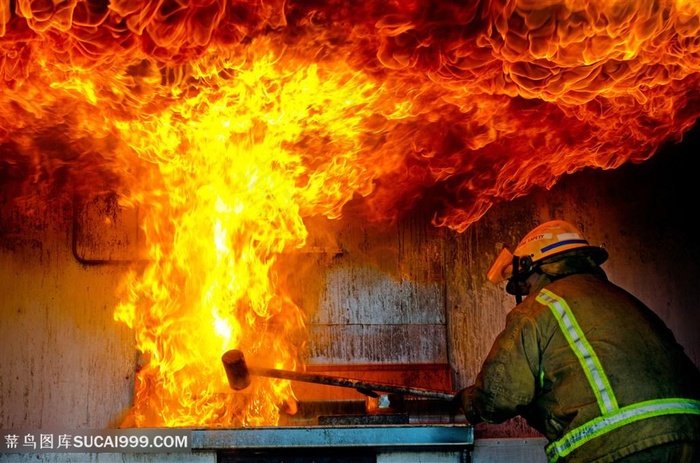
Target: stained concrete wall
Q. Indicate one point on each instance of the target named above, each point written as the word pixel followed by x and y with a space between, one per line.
pixel 64 362
pixel 407 293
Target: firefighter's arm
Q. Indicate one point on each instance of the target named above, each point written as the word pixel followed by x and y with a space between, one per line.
pixel 506 381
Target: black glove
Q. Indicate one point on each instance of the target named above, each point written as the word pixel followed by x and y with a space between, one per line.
pixel 459 398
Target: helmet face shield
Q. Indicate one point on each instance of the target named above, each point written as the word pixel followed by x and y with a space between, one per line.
pixel 502 261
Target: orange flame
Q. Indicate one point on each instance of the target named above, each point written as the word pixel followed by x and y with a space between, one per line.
pixel 228 124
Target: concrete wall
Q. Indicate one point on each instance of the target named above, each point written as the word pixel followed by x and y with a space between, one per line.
pixel 407 293
pixel 64 362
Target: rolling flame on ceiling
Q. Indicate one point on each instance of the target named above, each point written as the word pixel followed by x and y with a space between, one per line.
pixel 229 123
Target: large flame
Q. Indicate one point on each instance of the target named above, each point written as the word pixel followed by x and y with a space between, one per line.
pixel 229 123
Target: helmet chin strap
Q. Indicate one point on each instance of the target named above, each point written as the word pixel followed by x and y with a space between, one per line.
pixel 515 277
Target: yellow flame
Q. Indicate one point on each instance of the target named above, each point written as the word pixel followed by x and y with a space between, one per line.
pixel 231 185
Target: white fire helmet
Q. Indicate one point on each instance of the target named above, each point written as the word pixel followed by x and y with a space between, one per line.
pixel 544 241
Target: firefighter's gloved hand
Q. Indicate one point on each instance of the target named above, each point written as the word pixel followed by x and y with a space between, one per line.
pixel 458 400
pixel 463 401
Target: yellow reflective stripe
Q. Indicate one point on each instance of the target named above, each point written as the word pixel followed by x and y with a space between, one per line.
pixel 625 415
pixel 541 378
pixel 579 344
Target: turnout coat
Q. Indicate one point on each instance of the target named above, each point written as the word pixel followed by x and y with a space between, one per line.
pixel 591 368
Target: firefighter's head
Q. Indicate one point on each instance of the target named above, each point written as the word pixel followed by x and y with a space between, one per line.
pixel 556 248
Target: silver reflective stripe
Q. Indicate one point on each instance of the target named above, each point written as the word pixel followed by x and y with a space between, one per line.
pixel 583 350
pixel 601 425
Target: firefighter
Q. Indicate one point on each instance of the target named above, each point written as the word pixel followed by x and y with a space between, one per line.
pixel 583 361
